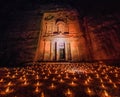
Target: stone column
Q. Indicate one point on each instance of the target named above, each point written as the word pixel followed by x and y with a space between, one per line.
pixel 66 50
pixel 69 51
pixel 55 51
pixel 44 51
pixel 51 48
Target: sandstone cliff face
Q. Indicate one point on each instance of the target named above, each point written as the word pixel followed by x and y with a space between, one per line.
pixel 103 36
pixel 19 43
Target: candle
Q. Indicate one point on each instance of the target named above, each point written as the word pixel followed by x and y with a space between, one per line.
pixel 61 80
pixel 8 90
pixel 73 84
pixel 52 86
pixel 42 94
pixel 1 80
pixel 89 91
pixel 69 93
pixel 37 90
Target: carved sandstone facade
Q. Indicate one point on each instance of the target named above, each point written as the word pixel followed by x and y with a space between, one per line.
pixel 61 38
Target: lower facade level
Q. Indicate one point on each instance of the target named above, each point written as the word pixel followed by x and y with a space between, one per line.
pixel 61 49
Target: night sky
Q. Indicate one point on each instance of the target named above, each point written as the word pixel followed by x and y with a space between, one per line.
pixel 9 9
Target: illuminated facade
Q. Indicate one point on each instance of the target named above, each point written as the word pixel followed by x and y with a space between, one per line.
pixel 61 38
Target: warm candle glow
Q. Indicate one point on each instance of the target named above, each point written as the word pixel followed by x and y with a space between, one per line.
pixel 73 84
pixel 52 86
pixel 86 82
pixel 53 79
pixel 69 93
pixel 59 75
pixel 66 76
pixel 37 90
pixel 97 75
pixel 42 94
pixel 61 81
pixel 1 80
pixel 8 90
pixel 105 94
pixel 101 80
pixel 114 85
pixel 116 75
pixel 37 77
pixel 89 91
pixel 13 76
pixel 38 84
pixel 9 84
pixel 87 85
pixel 8 75
pixel 103 86
pixel 75 78
pixel 110 81
pixel 45 77
pixel 25 83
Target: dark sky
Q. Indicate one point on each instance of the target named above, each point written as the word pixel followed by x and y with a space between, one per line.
pixel 9 9
pixel 12 5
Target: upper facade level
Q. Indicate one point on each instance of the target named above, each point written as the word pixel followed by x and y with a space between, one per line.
pixel 60 22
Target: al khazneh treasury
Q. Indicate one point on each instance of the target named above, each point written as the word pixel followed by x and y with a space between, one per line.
pixel 61 38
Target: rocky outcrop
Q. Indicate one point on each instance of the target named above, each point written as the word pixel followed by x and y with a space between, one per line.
pixel 103 35
pixel 19 42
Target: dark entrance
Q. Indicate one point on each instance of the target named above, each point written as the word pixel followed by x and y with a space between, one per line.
pixel 62 54
pixel 62 51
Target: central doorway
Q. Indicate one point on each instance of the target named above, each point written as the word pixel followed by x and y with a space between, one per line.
pixel 62 51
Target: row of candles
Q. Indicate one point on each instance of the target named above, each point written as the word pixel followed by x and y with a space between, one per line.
pixel 72 75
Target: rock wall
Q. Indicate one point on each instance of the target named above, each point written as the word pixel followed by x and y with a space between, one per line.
pixel 19 42
pixel 103 36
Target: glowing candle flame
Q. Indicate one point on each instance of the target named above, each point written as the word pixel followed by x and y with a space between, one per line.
pixel 52 86
pixel 69 93
pixel 45 77
pixel 86 82
pixel 42 94
pixel 37 90
pixel 25 83
pixel 89 91
pixel 61 81
pixel 53 79
pixel 1 80
pixel 103 86
pixel 13 76
pixel 110 81
pixel 10 84
pixel 116 75
pixel 8 90
pixel 101 80
pixel 59 75
pixel 8 75
pixel 97 75
pixel 67 77
pixel 73 84
pixel 106 93
pixel 37 77
pixel 74 78
pixel 106 77
pixel 114 85
pixel 38 84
